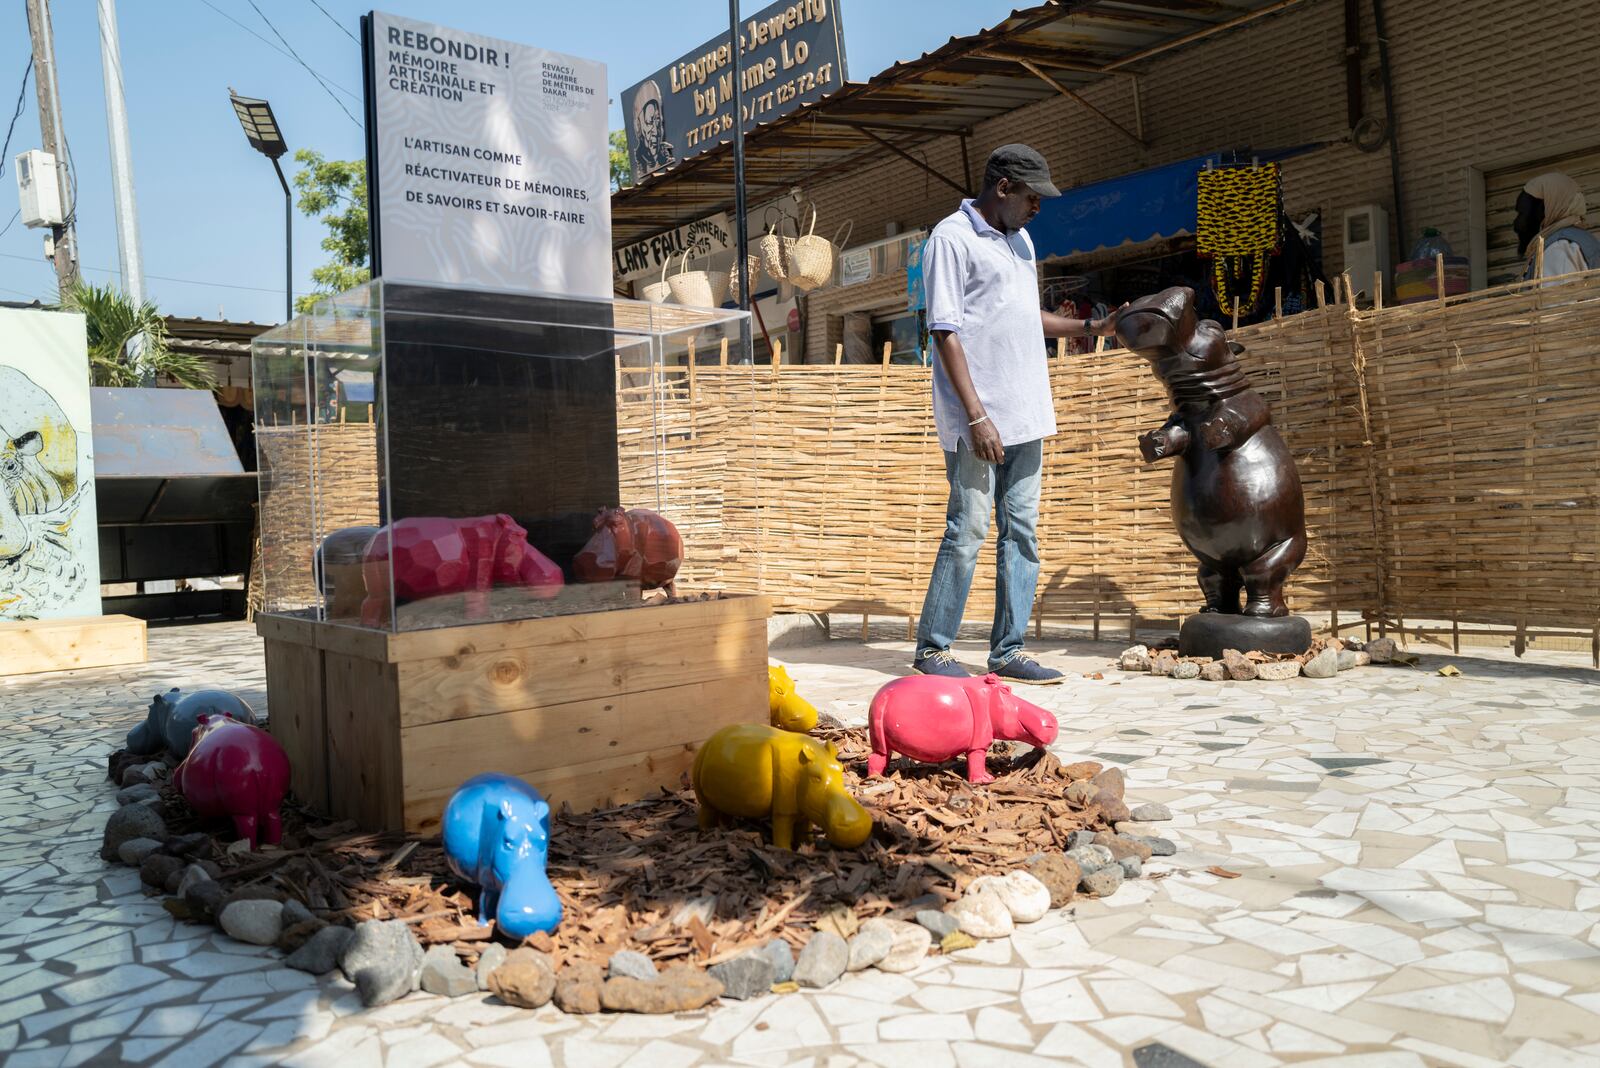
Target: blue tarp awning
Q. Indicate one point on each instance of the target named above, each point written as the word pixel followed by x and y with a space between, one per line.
pixel 1145 206
pixel 1151 205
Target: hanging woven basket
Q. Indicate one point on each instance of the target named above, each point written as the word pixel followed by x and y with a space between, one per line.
pixel 753 262
pixel 660 292
pixel 692 288
pixel 811 262
pixel 774 246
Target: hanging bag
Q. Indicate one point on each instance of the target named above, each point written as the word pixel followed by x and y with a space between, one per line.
pixel 811 262
pixel 691 288
pixel 774 247
pixel 754 264
pixel 660 292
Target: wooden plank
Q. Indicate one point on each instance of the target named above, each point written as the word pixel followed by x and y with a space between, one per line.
pixel 478 684
pixel 588 626
pixel 367 643
pixel 364 770
pixel 297 719
pixel 381 645
pixel 281 628
pixel 28 646
pixel 536 742
pixel 355 641
pixel 614 780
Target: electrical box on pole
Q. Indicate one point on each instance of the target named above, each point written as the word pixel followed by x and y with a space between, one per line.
pixel 38 189
pixel 60 243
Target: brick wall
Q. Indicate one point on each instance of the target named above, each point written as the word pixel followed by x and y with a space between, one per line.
pixel 1463 98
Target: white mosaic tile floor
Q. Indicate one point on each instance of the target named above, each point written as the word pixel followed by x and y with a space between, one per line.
pixel 1419 884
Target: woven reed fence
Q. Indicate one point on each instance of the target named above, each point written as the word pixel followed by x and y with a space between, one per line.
pixel 302 501
pixel 1450 453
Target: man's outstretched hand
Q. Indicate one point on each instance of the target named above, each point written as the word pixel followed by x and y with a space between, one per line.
pixel 1107 327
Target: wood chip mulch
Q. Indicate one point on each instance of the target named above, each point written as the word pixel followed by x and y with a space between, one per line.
pixel 625 874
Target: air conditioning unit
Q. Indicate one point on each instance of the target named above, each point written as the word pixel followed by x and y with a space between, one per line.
pixel 1366 247
pixel 38 189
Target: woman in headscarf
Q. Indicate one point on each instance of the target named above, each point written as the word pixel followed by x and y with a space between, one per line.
pixel 1552 206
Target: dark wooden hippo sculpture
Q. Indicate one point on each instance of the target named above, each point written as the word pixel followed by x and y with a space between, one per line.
pixel 1236 497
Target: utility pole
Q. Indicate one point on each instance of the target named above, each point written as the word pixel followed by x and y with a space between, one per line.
pixel 742 243
pixel 130 261
pixel 62 243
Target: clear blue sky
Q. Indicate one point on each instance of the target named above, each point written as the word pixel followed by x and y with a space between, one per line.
pixel 210 209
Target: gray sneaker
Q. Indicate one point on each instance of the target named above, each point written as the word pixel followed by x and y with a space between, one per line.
pixel 1025 669
pixel 943 662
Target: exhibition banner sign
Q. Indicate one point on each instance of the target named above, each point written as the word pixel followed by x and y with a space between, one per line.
pixel 487 161
pixel 790 53
pixel 49 543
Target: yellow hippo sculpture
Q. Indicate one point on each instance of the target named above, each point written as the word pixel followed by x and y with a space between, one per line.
pixel 789 711
pixel 754 771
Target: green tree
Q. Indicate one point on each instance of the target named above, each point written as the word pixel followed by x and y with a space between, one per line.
pixel 335 193
pixel 621 170
pixel 113 321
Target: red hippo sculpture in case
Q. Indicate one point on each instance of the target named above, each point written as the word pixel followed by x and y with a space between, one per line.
pixel 430 556
pixel 634 544
pixel 933 718
pixel 239 771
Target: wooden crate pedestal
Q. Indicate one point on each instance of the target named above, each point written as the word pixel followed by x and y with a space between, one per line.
pixel 593 709
pixel 34 645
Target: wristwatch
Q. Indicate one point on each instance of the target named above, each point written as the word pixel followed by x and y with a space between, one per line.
pixel 1089 327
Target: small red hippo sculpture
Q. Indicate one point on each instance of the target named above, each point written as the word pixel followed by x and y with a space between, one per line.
pixel 633 544
pixel 933 718
pixel 236 770
pixel 430 556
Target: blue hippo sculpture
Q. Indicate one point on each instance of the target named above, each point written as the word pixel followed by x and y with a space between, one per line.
pixel 172 718
pixel 497 834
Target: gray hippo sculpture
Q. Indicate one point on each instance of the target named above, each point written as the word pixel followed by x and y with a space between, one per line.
pixel 1236 496
pixel 172 718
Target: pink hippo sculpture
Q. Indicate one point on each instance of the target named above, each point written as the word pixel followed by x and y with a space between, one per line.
pixel 933 718
pixel 238 771
pixel 431 555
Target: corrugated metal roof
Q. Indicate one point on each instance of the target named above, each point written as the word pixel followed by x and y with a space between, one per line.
pixel 212 337
pixel 943 93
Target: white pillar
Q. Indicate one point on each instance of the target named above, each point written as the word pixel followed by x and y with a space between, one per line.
pixel 127 212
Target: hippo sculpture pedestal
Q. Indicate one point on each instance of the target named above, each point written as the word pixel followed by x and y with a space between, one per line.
pixel 1236 497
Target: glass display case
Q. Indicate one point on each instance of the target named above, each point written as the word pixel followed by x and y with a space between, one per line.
pixel 433 456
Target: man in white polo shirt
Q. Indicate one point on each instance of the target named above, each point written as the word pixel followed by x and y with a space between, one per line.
pixel 992 405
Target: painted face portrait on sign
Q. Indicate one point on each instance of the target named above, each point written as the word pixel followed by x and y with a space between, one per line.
pixel 651 149
pixel 43 539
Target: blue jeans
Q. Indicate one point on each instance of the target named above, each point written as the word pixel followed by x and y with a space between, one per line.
pixel 1011 490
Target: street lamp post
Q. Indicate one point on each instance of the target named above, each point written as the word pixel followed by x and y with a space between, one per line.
pixel 261 130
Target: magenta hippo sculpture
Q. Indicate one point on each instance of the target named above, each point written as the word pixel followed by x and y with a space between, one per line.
pixel 429 556
pixel 239 771
pixel 933 718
